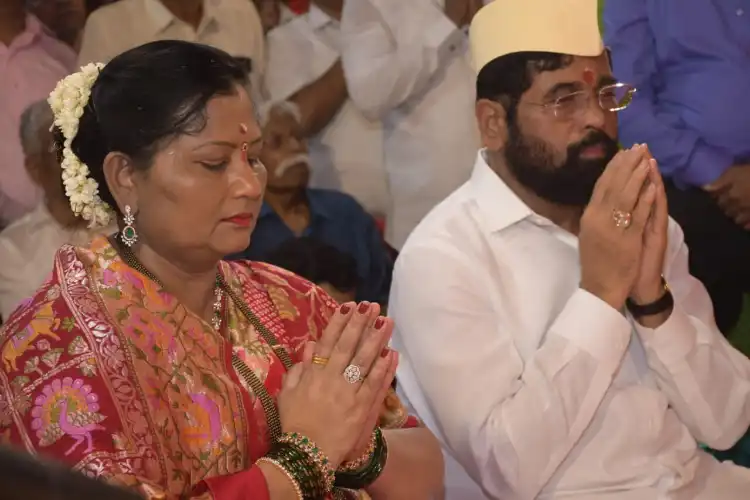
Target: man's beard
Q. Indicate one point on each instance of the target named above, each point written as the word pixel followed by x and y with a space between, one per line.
pixel 572 183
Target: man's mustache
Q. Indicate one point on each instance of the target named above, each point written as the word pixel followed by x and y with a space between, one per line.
pixel 298 159
pixel 594 139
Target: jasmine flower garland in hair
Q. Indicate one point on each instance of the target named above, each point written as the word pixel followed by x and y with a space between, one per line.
pixel 68 101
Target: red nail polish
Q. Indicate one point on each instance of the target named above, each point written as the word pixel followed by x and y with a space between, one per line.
pixel 345 308
pixel 379 323
pixel 384 352
pixel 363 307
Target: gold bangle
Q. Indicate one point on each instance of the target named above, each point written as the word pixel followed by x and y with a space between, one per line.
pixel 363 459
pixel 283 470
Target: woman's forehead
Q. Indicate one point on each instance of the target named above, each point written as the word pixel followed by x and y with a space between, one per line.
pixel 229 116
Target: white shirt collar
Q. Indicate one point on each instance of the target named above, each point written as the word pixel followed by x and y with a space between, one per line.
pixel 318 18
pixel 500 206
pixel 162 17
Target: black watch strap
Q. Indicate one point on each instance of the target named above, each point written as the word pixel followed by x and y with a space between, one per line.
pixel 664 303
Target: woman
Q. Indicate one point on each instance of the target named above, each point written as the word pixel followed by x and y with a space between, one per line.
pixel 147 361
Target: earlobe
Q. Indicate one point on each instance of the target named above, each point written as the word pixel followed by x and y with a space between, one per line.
pixel 119 175
pixel 32 168
pixel 493 128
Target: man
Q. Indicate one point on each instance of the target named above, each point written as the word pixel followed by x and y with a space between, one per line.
pixel 691 63
pixel 28 246
pixel 347 153
pixel 64 17
pixel 406 62
pixel 230 25
pixel 292 210
pixel 320 263
pixel 32 61
pixel 537 336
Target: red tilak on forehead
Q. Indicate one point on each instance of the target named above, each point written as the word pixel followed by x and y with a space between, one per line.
pixel 589 76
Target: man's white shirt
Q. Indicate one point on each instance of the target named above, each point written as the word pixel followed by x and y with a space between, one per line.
pixel 346 155
pixel 27 254
pixel 408 64
pixel 538 389
pixel 230 25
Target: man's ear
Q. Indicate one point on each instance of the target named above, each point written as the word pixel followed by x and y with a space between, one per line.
pixel 119 173
pixel 32 163
pixel 493 126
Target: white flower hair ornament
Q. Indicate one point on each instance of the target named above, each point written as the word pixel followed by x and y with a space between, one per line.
pixel 68 101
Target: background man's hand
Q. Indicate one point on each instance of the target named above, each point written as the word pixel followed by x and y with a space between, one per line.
pixel 732 194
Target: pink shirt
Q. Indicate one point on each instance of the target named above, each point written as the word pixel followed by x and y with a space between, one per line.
pixel 29 70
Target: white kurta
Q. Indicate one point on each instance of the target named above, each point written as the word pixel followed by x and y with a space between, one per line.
pixel 407 64
pixel 27 252
pixel 230 25
pixel 539 389
pixel 347 155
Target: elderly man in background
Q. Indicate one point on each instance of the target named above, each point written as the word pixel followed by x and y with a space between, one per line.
pixel 31 63
pixel 550 332
pixel 231 25
pixel 291 209
pixel 64 17
pixel 406 62
pixel 346 153
pixel 28 246
pixel 690 60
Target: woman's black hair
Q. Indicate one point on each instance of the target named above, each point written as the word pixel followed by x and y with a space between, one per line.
pixel 147 96
pixel 506 78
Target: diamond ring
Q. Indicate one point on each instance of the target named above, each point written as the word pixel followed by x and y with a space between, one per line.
pixel 622 219
pixel 353 374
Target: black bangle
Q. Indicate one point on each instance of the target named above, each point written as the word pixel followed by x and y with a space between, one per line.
pixel 662 304
pixel 357 480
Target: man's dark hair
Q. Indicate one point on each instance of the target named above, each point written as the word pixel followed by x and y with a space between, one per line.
pixel 506 78
pixel 317 262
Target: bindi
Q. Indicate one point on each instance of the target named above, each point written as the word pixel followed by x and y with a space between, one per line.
pixel 589 76
pixel 244 149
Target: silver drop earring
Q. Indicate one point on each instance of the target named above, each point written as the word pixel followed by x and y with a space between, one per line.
pixel 128 234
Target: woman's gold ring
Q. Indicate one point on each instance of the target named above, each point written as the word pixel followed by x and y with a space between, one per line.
pixel 353 374
pixel 319 360
pixel 622 219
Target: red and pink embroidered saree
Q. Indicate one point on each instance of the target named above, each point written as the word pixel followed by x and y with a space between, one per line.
pixel 106 371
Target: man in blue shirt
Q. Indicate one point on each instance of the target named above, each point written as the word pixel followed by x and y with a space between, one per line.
pixel 690 60
pixel 292 210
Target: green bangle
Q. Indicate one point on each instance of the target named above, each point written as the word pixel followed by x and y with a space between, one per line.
pixel 302 468
pixel 360 479
pixel 315 454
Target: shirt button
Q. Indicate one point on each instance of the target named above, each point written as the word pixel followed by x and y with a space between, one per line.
pixel 740 12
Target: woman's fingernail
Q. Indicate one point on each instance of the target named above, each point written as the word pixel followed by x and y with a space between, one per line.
pixel 345 308
pixel 384 352
pixel 363 307
pixel 379 323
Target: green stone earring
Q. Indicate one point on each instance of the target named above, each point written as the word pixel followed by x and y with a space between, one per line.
pixel 128 234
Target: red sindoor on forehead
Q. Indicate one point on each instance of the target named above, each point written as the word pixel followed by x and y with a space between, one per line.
pixel 589 76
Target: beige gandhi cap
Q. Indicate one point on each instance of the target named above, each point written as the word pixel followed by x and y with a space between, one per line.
pixel 504 27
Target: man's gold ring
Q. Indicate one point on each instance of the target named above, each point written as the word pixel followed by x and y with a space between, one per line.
pixel 622 219
pixel 320 360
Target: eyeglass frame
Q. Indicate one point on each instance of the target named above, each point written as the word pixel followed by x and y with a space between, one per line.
pixel 555 104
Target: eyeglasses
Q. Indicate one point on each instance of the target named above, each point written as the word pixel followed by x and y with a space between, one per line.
pixel 612 98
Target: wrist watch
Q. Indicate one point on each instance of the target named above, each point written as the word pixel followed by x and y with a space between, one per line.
pixel 660 305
